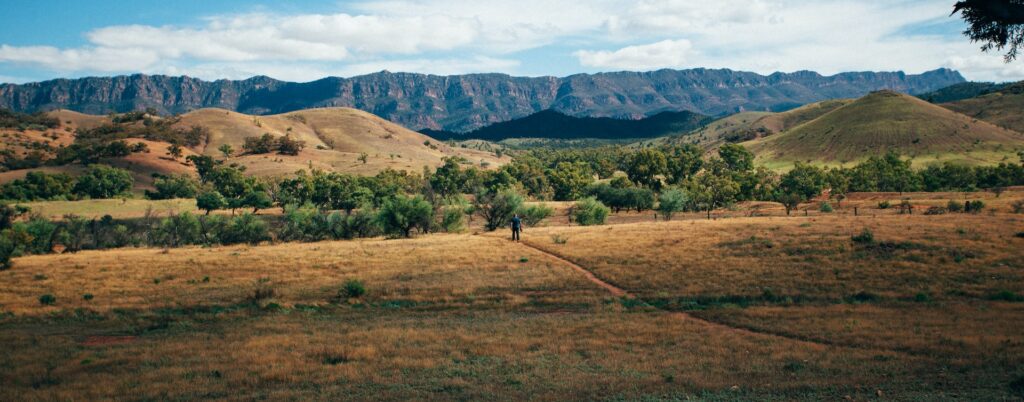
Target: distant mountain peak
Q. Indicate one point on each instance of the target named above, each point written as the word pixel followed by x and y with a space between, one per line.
pixel 466 102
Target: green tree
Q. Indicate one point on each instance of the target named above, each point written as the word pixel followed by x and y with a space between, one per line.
pixel 168 187
pixel 448 179
pixel 645 165
pixel 497 208
pixel 210 200
pixel 102 181
pixel 671 201
pixel 683 162
pixel 226 150
pixel 804 180
pixel 736 157
pixel 569 180
pixel 401 214
pixel 711 191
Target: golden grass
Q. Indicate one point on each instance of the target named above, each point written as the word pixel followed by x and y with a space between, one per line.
pixel 813 258
pixel 398 355
pixel 451 269
pixel 477 317
pixel 117 208
pixel 989 331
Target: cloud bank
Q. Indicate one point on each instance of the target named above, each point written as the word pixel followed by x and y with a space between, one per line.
pixel 533 38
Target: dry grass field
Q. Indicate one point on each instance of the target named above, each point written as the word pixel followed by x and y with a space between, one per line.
pixel 735 308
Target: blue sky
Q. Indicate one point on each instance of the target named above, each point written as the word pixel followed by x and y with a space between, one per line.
pixel 303 41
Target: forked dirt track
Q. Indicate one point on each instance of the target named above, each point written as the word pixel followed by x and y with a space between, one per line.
pixel 619 292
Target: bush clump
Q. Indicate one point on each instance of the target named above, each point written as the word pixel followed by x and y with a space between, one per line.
pixel 47 299
pixel 352 289
pixel 589 211
pixel 884 205
pixel 974 207
pixel 825 207
pixel 532 215
pixel 865 237
pixel 954 206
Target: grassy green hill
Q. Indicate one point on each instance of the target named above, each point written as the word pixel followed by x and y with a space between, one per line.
pixel 1003 107
pixel 747 126
pixel 883 121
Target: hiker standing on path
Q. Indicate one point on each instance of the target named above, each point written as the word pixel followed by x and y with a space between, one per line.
pixel 517 226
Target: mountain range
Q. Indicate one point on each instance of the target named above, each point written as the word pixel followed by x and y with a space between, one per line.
pixel 462 103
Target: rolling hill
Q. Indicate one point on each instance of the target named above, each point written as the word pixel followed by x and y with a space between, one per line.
pixel 1003 107
pixel 335 140
pixel 747 126
pixel 961 91
pixel 887 120
pixel 550 124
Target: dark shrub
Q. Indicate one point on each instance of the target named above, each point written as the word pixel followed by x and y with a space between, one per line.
pixel 47 300
pixel 974 206
pixel 935 211
pixel 864 297
pixel 955 206
pixel 245 228
pixel 865 237
pixel 352 289
pixel 1006 295
pixel 884 205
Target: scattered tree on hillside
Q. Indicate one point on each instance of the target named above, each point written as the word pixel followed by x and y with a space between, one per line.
pixel 226 150
pixel 264 144
pixel 287 145
pixel 997 24
pixel 174 151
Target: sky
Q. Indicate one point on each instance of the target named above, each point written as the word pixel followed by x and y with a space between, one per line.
pixel 305 40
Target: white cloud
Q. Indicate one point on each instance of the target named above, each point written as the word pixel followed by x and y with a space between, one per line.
pixel 664 54
pixel 458 36
pixel 99 59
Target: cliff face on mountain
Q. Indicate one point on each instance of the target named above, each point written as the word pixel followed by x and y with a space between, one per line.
pixel 467 102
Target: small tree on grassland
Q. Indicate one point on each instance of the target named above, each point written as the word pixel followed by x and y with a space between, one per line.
pixel 401 214
pixel 497 208
pixel 671 201
pixel 211 200
pixel 589 211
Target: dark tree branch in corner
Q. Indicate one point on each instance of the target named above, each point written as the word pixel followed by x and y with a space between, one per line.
pixel 998 24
